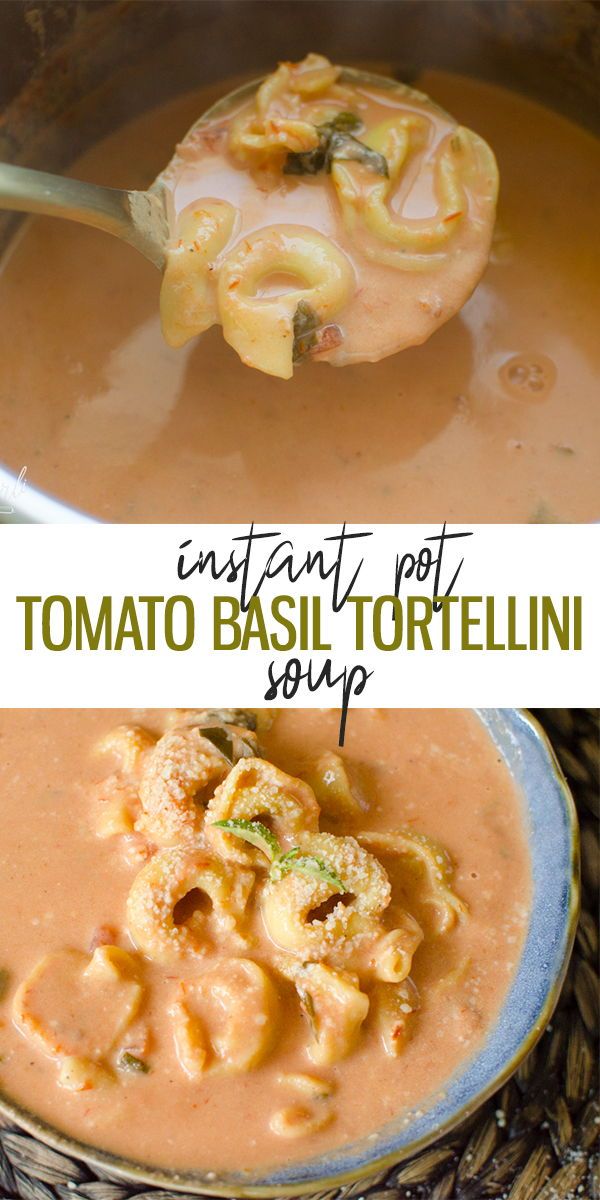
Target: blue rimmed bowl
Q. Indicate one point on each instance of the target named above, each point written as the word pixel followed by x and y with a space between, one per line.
pixel 552 834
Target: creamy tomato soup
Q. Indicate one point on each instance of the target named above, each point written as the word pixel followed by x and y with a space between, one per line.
pixel 225 941
pixel 495 418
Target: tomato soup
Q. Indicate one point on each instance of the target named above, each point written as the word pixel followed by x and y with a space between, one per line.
pixel 227 939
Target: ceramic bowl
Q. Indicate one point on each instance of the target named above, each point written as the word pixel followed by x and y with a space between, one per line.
pixel 552 833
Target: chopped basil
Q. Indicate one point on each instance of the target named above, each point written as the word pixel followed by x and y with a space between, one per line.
pixel 306 323
pixel 231 716
pixel 254 832
pixel 312 867
pixel 307 1005
pixel 282 864
pixel 4 982
pixel 129 1062
pixel 336 143
pixel 345 122
pixel 344 147
pixel 232 747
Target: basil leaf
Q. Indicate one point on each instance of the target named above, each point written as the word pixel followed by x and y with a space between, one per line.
pixel 336 144
pixel 306 864
pixel 221 740
pixel 230 716
pixel 307 1005
pixel 282 865
pixel 231 746
pixel 129 1062
pixel 4 982
pixel 306 323
pixel 345 148
pixel 253 832
pixel 315 868
pixel 345 122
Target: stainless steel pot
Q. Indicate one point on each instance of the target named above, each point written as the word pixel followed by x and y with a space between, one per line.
pixel 71 71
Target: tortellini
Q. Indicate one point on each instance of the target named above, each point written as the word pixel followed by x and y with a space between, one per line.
pixel 255 789
pixel 290 906
pixel 224 1019
pixel 393 952
pixel 435 863
pixel 187 297
pixel 260 327
pixel 177 780
pixel 337 800
pixel 164 885
pixel 334 1007
pixel 365 197
pixel 394 1006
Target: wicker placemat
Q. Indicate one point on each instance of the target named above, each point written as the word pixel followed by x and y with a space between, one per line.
pixel 537 1139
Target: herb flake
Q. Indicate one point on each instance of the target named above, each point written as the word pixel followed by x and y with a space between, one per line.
pixel 255 833
pixel 4 982
pixel 130 1062
pixel 232 747
pixel 336 143
pixel 308 865
pixel 292 861
pixel 307 1005
pixel 306 323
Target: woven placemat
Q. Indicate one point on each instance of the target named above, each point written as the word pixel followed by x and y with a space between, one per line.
pixel 536 1139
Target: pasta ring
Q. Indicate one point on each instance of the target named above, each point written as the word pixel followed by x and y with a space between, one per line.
pixel 257 790
pixel 404 242
pixel 163 883
pixel 329 780
pixel 226 1018
pixel 183 768
pixel 187 297
pixel 287 903
pixel 393 952
pixel 394 1006
pixel 334 1007
pixel 261 328
pixel 313 76
pixel 301 1120
pixel 436 864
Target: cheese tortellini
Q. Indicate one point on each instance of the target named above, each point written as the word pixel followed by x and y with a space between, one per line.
pixel 261 327
pixel 169 878
pixel 225 1019
pixel 291 905
pixel 187 298
pixel 255 789
pixel 365 197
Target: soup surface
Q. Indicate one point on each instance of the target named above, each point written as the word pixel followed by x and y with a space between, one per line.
pixel 495 418
pixel 178 991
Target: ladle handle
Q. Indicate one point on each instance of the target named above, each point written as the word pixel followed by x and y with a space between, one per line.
pixel 136 217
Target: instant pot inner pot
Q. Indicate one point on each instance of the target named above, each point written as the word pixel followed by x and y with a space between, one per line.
pixel 73 71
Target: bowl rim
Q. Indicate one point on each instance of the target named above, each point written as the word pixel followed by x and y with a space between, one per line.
pixel 196 1182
